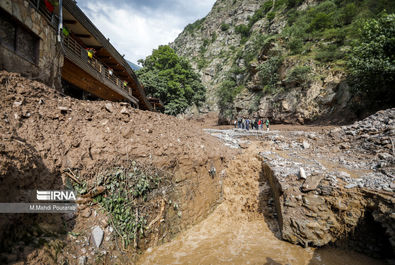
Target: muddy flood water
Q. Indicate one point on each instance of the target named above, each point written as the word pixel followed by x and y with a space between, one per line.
pixel 238 233
pixel 223 239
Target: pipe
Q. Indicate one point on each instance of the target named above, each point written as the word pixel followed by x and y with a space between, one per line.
pixel 60 26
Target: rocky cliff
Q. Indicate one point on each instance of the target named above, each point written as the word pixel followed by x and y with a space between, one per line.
pixel 282 59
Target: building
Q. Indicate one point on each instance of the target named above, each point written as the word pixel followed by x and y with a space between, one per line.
pixel 73 56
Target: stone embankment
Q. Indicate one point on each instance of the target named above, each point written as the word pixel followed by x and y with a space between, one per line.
pixel 332 186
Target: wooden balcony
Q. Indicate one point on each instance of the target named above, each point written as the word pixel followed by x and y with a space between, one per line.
pixel 91 75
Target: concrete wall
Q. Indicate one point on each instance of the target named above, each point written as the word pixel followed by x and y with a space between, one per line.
pixel 50 58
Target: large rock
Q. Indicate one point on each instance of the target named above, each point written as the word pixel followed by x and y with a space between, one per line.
pixel 312 182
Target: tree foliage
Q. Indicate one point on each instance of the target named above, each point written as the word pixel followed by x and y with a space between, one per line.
pixel 268 72
pixel 372 60
pixel 169 77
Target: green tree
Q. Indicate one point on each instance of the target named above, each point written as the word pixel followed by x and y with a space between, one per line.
pixel 372 62
pixel 268 72
pixel 167 76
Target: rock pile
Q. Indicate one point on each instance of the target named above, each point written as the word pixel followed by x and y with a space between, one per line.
pixel 375 134
pixel 327 184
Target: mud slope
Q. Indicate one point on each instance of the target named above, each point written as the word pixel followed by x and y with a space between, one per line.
pixel 44 135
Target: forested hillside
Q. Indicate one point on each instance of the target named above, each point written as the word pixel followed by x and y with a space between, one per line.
pixel 294 61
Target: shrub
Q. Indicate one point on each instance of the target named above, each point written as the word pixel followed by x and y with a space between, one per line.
pixel 206 42
pixel 293 3
pixel 260 13
pixel 329 53
pixel 348 13
pixel 213 37
pixel 268 72
pixel 194 26
pixel 224 27
pixel 295 44
pixel 201 63
pixel 226 94
pixel 243 30
pixel 320 21
pixel 299 75
pixel 337 35
pixel 267 6
pixel 280 3
pixel 271 15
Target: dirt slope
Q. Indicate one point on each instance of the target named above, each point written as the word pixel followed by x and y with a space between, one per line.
pixel 43 134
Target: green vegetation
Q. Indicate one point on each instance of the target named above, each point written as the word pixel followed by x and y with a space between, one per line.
pixel 229 89
pixel 299 75
pixel 324 34
pixel 169 77
pixel 270 16
pixel 224 27
pixel 226 94
pixel 332 24
pixel 190 28
pixel 125 192
pixel 260 13
pixel 328 53
pixel 245 30
pixel 213 37
pixel 372 61
pixel 268 72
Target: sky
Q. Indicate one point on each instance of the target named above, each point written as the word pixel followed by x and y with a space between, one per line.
pixel 136 27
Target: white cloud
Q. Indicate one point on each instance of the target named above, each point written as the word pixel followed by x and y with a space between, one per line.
pixel 135 31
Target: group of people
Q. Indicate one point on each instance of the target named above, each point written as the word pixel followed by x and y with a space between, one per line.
pixel 247 124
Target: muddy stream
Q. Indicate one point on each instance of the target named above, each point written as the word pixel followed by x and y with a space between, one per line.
pixel 242 229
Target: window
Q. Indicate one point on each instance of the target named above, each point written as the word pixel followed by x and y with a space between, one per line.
pixel 18 38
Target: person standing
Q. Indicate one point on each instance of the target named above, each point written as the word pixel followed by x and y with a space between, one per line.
pixel 248 124
pixel 260 124
pixel 267 124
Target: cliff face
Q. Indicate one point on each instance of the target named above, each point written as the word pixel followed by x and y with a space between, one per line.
pixel 210 48
pixel 281 59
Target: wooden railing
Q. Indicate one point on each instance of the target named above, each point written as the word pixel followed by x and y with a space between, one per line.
pixel 78 50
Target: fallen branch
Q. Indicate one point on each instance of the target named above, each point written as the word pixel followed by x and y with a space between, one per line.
pixel 94 192
pixel 73 177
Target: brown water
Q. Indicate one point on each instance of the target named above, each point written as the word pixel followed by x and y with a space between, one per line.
pixel 222 239
pixel 237 232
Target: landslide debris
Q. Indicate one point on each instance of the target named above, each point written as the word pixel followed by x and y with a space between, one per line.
pixel 47 137
pixel 346 195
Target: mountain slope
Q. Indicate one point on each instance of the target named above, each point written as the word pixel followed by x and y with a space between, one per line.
pixel 134 66
pixel 283 59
